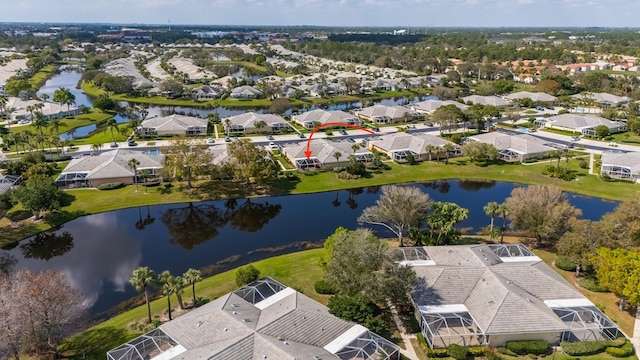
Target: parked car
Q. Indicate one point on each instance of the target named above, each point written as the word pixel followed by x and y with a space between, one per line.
pixel 114 145
pixel 227 139
pixel 428 123
pixel 550 107
pixel 343 132
pixel 570 146
pixel 270 137
pixel 351 140
pixel 411 126
pixel 539 108
pixel 273 146
pixel 210 141
pixel 376 129
pixel 301 136
pixel 575 138
pixel 132 143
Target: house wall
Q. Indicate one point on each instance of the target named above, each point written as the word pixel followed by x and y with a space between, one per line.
pixel 171 132
pixel 125 180
pixel 501 340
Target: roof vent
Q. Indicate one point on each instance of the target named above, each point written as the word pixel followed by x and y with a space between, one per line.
pixel 317 358
pixel 246 320
pixel 234 305
pixel 528 300
pixel 508 282
pixel 199 323
pixel 264 356
pixel 285 342
pixel 225 329
pixel 490 302
pixel 280 337
pixel 234 312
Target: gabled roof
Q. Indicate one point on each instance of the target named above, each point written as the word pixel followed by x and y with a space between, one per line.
pixel 433 105
pixel 112 164
pixel 522 144
pixel 247 120
pixel 173 122
pixel 323 150
pixel 246 89
pixel 630 160
pixel 323 116
pixel 417 143
pixel 575 121
pixel 486 100
pixel 535 96
pixel 603 98
pixel 394 112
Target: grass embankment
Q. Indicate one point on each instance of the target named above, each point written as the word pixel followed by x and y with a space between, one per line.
pixel 38 79
pixel 89 201
pixel 298 270
pixel 252 65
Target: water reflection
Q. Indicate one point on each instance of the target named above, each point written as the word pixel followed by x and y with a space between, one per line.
pixel 251 216
pixel 193 224
pixel 46 246
pixel 476 185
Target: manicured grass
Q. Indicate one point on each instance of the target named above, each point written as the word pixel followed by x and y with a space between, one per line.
pixel 251 65
pixel 92 117
pixel 298 270
pixel 617 72
pixel 39 78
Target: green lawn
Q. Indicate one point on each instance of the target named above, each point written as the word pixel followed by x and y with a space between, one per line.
pixel 94 116
pixel 251 65
pixel 39 78
pixel 298 270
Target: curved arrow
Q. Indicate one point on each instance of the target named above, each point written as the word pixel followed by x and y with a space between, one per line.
pixel 331 124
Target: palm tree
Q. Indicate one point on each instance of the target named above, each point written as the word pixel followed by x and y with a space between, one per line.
pixel 192 276
pixel 355 148
pixel 430 149
pixel 337 155
pixel 55 126
pixel 112 124
pixel 165 282
pixel 448 148
pixel 44 97
pixel 133 164
pixel 177 284
pixel 227 124
pixel 492 209
pixel 141 278
pixel 144 174
pixel 504 212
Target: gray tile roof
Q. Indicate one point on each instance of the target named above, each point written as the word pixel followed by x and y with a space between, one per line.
pixel 535 96
pixel 112 164
pixel 414 142
pixel 630 160
pixel 486 100
pixel 323 150
pixel 322 116
pixel 432 105
pixel 577 122
pixel 523 144
pixel 501 296
pixel 394 112
pixel 603 98
pixel 247 120
pixel 173 122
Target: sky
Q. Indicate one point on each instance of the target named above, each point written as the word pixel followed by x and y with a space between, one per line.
pixel 388 13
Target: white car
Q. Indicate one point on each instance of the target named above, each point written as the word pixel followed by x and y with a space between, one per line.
pixel 575 138
pixel 273 146
pixel 210 141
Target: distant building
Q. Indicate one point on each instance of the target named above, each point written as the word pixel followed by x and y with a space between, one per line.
pixel 136 35
pixel 172 125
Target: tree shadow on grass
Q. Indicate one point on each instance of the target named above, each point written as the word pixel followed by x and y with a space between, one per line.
pixel 19 215
pixel 58 218
pixel 94 343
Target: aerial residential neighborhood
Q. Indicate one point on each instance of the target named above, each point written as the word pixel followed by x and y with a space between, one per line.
pixel 334 191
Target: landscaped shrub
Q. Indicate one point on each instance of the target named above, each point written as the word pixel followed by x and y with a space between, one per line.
pixel 110 186
pixel 437 353
pixel 528 347
pixel 457 352
pixel 583 164
pixel 563 111
pixel 623 351
pixel 583 348
pixel 564 263
pixel 247 274
pixel 490 354
pixel 477 350
pixel 321 287
pixel 591 283
pixel 505 351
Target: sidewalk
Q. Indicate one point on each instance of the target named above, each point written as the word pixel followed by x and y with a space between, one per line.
pixel 409 352
pixel 635 340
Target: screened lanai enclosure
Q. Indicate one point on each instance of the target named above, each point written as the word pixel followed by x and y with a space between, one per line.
pixel 259 290
pixel 369 346
pixel 585 323
pixel 450 326
pixel 153 345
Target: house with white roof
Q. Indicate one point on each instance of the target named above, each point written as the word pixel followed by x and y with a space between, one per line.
pixel 521 147
pixel 208 92
pixel 490 294
pixel 397 146
pixel 583 124
pixel 262 320
pixel 323 154
pixel 245 92
pixel 487 101
pixel 110 167
pixel 24 109
pixel 311 119
pixel 250 122
pixel 382 114
pixel 172 125
pixel 534 96
pixel 603 98
pixel 429 106
pixel 618 165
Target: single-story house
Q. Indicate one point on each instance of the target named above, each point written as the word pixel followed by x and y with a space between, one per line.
pixel 321 90
pixel 246 92
pixel 519 147
pixel 323 155
pixel 397 146
pixel 24 109
pixel 487 101
pixel 8 182
pixel 262 320
pixel 603 98
pixel 208 92
pixel 429 106
pixel 534 96
pixel 621 165
pixel 172 125
pixel 382 114
pixel 311 118
pixel 110 167
pixel 491 294
pixel 584 124
pixel 251 122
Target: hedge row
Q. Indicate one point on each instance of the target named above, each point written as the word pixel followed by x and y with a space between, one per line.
pixel 564 263
pixel 321 287
pixel 623 351
pixel 591 283
pixel 110 186
pixel 528 347
pixel 584 348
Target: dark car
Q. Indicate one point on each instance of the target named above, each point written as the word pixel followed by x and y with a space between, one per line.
pixel 132 143
pixel 570 146
pixel 269 137
pixel 114 145
pixel 376 129
pixel 301 136
pixel 343 132
pixel 227 139
pixel 351 140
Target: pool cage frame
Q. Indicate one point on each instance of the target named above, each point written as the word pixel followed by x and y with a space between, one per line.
pixel 440 329
pixel 586 323
pixel 369 346
pixel 260 290
pixel 510 250
pixel 142 347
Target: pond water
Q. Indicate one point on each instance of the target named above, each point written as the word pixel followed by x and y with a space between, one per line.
pixel 99 252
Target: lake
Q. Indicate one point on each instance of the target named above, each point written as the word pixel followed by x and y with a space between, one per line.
pixel 99 252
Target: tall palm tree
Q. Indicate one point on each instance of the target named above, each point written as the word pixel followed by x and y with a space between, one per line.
pixel 144 174
pixel 111 125
pixel 355 148
pixel 192 276
pixel 177 284
pixel 165 282
pixel 133 164
pixel 430 149
pixel 55 126
pixel 141 278
pixel 504 212
pixel 492 209
pixel 227 124
pixel 337 155
pixel 448 148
